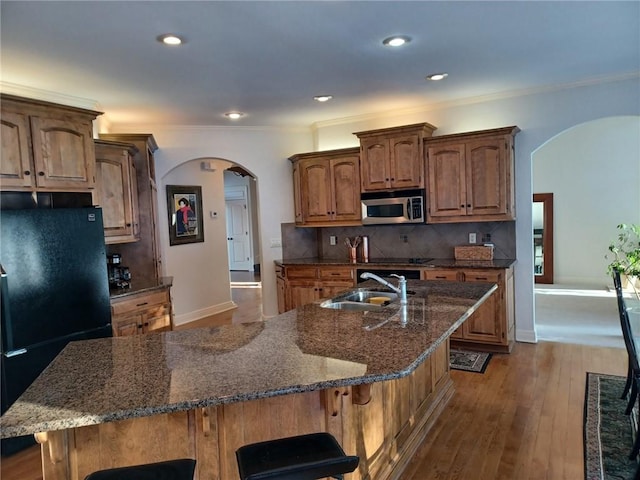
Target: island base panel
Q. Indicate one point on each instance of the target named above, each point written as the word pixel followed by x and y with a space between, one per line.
pixel 384 427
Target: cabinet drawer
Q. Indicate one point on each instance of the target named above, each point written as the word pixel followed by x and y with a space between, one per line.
pixel 490 277
pixel 336 273
pixel 139 302
pixel 441 275
pixel 302 272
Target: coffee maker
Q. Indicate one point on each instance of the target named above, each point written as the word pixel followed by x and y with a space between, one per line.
pixel 119 275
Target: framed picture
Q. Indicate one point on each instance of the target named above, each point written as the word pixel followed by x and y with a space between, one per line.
pixel 184 206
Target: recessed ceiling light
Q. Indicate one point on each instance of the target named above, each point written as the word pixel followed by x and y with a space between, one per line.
pixel 322 98
pixel 234 115
pixel 171 39
pixel 437 76
pixel 396 40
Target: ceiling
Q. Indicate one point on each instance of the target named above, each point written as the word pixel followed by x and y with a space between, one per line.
pixel 269 58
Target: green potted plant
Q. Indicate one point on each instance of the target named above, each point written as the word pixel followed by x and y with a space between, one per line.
pixel 624 253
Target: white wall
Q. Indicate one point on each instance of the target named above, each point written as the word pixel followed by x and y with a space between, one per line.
pixel 593 170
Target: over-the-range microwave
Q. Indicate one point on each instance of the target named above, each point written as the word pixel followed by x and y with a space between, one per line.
pixel 402 206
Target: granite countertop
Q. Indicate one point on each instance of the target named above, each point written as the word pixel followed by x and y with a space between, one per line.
pixel 310 348
pixel 140 286
pixel 404 263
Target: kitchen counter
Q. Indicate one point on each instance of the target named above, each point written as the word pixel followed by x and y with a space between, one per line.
pixel 404 263
pixel 140 286
pixel 306 349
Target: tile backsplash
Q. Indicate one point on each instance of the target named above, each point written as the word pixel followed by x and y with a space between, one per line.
pixel 398 241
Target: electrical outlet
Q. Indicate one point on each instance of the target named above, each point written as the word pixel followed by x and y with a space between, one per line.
pixel 472 238
pixel 333 240
pixel 276 242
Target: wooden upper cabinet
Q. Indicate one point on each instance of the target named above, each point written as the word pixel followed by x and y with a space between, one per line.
pixel 471 176
pixel 15 168
pixel 46 147
pixel 326 187
pixel 143 257
pixel 117 191
pixel 393 158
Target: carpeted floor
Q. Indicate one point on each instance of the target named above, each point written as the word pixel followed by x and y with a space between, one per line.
pixel 608 436
pixel 469 361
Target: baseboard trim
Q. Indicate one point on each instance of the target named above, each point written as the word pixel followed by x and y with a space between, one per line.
pixel 526 336
pixel 205 312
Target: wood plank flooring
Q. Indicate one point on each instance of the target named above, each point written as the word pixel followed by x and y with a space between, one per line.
pixel 521 419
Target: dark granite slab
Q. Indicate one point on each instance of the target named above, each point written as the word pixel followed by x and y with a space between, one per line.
pixel 403 263
pixel 310 348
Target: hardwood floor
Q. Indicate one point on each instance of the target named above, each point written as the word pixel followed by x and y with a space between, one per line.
pixel 521 419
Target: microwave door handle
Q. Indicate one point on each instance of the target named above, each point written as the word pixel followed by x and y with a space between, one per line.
pixel 409 209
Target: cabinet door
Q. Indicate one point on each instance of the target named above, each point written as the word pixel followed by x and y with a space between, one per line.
pixel 345 191
pixel 302 292
pixel 447 186
pixel 15 167
pixel 374 164
pixel 280 287
pixel 486 177
pixel 63 153
pixel 126 325
pixel 485 325
pixel 315 181
pixel 406 162
pixel 114 192
pixel 157 319
pixel 297 195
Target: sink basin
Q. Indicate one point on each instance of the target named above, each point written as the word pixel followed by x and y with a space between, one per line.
pixel 360 300
pixel 363 295
pixel 353 306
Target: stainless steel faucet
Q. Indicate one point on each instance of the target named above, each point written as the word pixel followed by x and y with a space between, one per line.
pixel 401 289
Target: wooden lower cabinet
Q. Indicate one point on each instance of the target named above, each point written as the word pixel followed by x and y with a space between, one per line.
pixel 143 312
pixel 382 423
pixel 306 284
pixel 492 326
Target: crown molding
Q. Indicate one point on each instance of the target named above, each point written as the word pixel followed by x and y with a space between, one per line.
pixel 47 96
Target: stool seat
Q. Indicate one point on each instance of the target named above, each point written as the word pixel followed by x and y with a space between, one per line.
pixel 180 469
pixel 303 457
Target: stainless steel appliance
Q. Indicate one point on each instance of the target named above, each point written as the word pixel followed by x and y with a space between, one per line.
pixel 405 206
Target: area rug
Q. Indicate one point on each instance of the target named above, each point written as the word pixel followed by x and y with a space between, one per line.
pixel 608 436
pixel 468 360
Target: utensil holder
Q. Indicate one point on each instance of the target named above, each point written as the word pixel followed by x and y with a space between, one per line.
pixel 353 254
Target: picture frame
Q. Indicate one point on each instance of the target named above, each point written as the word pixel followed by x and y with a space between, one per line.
pixel 184 208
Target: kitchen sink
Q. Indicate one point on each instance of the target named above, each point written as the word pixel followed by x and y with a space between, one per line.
pixel 360 300
pixel 364 295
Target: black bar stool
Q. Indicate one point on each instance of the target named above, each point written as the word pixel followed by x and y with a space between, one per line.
pixel 303 457
pixel 181 469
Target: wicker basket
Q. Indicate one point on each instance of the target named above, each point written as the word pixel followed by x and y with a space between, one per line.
pixel 473 252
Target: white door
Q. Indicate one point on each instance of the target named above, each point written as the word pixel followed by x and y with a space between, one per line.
pixel 238 241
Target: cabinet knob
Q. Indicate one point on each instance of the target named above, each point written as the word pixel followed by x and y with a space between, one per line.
pixel 27 172
pixel 41 174
pixel 468 205
pixel 229 238
pixel 462 206
pixel 128 224
pixel 393 179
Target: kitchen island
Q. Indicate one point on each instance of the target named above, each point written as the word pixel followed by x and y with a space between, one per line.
pixel 376 380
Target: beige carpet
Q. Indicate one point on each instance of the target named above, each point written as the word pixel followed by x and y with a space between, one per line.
pixel 577 314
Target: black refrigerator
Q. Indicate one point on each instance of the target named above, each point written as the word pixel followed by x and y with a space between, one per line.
pixel 55 290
